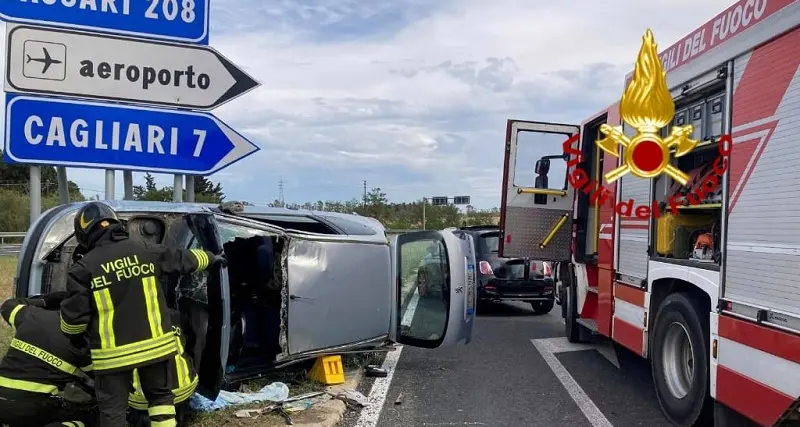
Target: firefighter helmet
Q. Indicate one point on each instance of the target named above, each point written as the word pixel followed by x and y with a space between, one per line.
pixel 91 215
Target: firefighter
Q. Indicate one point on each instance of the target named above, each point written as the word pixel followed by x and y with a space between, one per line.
pixel 116 299
pixel 182 381
pixel 39 365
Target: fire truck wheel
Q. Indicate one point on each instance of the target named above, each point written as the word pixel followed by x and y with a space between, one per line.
pixel 680 361
pixel 571 327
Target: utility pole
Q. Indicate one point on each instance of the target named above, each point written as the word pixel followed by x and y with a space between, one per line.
pixel 424 202
pixel 365 194
pixel 280 192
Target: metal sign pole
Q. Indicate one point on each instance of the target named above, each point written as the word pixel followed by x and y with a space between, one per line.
pixel 177 188
pixel 35 192
pixel 63 185
pixel 127 182
pixel 190 188
pixel 110 184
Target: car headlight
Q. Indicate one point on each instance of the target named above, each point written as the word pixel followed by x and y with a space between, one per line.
pixel 60 231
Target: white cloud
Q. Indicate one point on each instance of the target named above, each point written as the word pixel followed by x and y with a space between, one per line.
pixel 413 98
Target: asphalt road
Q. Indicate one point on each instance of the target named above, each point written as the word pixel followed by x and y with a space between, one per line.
pixel 517 371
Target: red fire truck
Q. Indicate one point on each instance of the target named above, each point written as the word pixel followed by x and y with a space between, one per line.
pixel 701 279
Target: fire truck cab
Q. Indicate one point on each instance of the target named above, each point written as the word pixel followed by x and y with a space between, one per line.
pixel 701 278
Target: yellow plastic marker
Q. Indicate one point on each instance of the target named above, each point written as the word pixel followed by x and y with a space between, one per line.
pixel 328 370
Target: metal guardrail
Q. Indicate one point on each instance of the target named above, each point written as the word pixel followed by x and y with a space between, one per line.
pixel 10 235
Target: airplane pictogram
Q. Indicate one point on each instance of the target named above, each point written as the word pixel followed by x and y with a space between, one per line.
pixel 47 60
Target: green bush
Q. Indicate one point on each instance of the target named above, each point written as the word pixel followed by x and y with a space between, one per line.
pixel 15 214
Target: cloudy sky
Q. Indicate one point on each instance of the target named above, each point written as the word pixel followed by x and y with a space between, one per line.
pixel 412 95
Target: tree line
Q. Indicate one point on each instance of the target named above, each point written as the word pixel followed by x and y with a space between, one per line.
pixel 402 215
pixel 15 212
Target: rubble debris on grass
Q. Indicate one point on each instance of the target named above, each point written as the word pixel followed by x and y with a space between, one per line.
pixel 277 394
pixel 260 401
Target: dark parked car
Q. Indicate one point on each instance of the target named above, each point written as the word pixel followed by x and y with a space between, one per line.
pixel 509 279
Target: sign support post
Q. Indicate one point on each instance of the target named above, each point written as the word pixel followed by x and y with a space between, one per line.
pixel 127 182
pixel 190 188
pixel 110 184
pixel 177 188
pixel 35 192
pixel 63 185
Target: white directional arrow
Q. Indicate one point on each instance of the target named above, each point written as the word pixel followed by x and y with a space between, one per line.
pixel 89 65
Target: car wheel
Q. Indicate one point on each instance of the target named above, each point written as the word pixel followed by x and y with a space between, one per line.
pixel 542 307
pixel 680 362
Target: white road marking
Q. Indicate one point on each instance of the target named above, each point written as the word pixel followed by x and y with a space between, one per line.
pixel 411 309
pixel 547 348
pixel 371 413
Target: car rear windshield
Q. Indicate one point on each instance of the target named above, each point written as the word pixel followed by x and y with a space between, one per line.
pixel 489 242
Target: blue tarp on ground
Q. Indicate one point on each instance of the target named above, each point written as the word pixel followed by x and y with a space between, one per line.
pixel 275 392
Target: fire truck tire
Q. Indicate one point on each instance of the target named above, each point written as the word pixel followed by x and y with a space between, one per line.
pixel 572 329
pixel 679 362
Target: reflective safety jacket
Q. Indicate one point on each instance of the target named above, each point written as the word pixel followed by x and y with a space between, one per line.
pixel 116 297
pixel 40 358
pixel 182 379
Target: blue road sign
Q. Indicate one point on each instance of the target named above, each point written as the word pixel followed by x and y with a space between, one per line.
pixel 87 134
pixel 176 20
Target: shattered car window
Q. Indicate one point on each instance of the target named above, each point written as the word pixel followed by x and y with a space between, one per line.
pixel 196 288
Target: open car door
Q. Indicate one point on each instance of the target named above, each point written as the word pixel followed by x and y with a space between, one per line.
pixel 212 285
pixel 537 200
pixel 434 276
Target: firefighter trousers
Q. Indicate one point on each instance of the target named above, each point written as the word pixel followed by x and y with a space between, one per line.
pixel 112 391
pixel 140 418
pixel 25 409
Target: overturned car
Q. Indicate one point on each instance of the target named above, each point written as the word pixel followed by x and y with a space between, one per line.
pixel 298 285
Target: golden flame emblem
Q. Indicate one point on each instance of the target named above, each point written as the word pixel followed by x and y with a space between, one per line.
pixel 647 106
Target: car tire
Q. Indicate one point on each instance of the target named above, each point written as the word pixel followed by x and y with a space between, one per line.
pixel 542 307
pixel 679 362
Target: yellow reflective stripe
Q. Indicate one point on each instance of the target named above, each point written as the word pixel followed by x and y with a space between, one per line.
pixel 134 347
pixel 87 368
pixel 137 385
pixel 135 359
pixel 153 310
pixel 105 321
pixel 155 411
pixel 70 329
pixel 13 316
pixel 44 355
pixel 28 386
pixel 202 258
pixel 168 423
pixel 181 366
pixel 73 424
pixel 181 395
pixel 136 400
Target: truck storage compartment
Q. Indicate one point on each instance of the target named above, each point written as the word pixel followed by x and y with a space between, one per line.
pixel 674 233
pixel 689 222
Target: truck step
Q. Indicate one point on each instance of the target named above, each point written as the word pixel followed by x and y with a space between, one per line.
pixel 594 289
pixel 589 324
